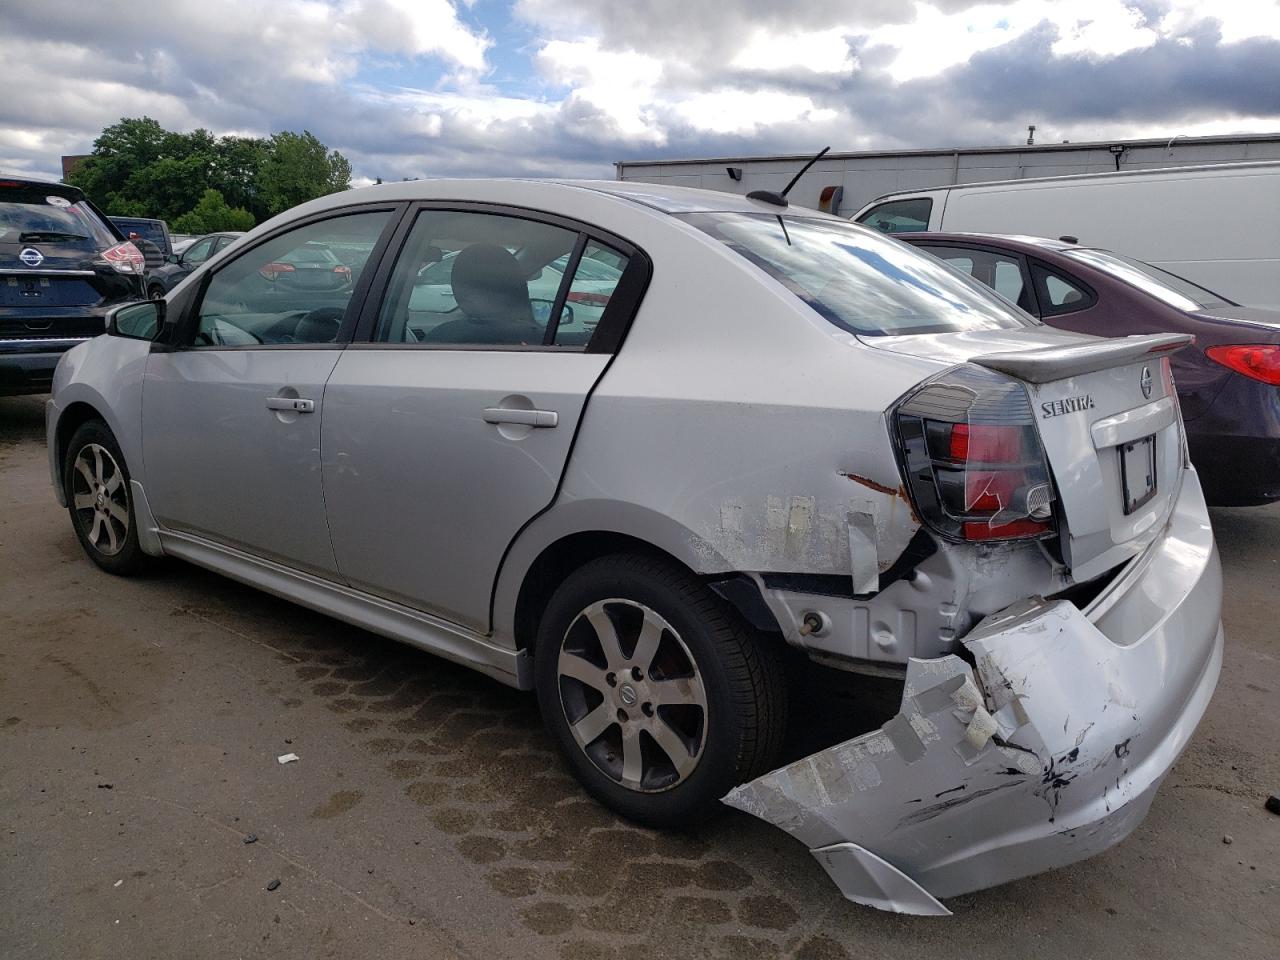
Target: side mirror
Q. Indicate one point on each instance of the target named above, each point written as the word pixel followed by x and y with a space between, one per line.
pixel 137 321
pixel 172 258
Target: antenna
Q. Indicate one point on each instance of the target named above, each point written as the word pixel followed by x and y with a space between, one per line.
pixel 780 199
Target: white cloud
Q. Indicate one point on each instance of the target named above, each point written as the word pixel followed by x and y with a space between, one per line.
pixel 651 77
pixel 744 112
pixel 821 51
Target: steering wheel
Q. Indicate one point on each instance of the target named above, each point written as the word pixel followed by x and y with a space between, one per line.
pixel 319 326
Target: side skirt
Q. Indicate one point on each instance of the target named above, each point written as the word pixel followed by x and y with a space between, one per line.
pixel 417 629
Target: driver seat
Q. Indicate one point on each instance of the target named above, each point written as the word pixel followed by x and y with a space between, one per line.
pixel 492 294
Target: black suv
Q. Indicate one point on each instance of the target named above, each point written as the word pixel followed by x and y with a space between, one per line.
pixel 63 265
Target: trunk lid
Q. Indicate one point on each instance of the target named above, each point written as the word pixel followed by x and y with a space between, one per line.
pixel 1107 415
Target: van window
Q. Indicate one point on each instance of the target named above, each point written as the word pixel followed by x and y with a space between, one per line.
pixel 862 282
pixel 899 216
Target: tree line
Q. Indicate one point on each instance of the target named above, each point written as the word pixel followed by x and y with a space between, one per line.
pixel 201 183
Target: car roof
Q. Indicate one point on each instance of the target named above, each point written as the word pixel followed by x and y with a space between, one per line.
pixel 656 196
pixel 1015 241
pixel 50 186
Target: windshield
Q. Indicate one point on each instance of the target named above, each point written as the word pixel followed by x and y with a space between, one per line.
pixel 864 282
pixel 32 217
pixel 1162 284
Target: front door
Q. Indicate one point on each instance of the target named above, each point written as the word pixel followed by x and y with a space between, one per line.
pixel 450 429
pixel 231 422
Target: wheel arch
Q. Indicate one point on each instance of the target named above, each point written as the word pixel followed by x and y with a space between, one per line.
pixel 72 417
pixel 553 547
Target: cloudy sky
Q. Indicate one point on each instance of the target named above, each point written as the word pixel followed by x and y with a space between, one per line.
pixel 564 88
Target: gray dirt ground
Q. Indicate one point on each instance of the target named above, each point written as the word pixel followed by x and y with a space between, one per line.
pixel 428 817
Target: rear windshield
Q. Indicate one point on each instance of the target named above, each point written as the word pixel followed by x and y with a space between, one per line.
pixel 864 282
pixel 33 217
pixel 152 230
pixel 1169 287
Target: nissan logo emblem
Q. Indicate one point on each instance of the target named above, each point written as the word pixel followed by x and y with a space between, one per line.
pixel 1145 382
pixel 31 257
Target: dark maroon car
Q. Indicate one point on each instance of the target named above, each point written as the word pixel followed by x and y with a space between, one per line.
pixel 1228 382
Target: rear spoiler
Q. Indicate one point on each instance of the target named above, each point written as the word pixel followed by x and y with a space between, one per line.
pixel 1057 363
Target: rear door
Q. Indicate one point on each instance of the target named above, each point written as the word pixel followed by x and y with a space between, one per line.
pixel 449 427
pixel 231 419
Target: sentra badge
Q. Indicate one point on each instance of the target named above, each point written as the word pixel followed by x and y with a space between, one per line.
pixel 1057 408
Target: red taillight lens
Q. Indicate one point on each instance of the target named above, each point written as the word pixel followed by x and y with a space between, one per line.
pixel 273 270
pixel 344 270
pixel 974 462
pixel 125 257
pixel 1260 361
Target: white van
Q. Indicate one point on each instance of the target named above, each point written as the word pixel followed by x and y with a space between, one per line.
pixel 1217 225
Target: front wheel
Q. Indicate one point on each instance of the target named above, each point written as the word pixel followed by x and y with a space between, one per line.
pixel 99 501
pixel 658 698
pixel 155 292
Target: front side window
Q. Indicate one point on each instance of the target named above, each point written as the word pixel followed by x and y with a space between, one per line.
pixel 899 216
pixel 480 279
pixel 294 288
pixel 862 282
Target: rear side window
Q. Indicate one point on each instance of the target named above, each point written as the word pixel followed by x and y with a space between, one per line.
pixel 1058 293
pixel 472 279
pixel 900 216
pixel 863 282
pixel 32 217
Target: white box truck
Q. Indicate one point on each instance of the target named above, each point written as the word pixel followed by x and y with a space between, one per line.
pixel 1217 225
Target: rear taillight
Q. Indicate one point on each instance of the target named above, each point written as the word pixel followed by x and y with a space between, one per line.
pixel 344 270
pixel 125 258
pixel 974 462
pixel 1260 361
pixel 273 270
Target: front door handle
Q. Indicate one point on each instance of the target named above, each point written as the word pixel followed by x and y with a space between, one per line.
pixel 532 418
pixel 295 404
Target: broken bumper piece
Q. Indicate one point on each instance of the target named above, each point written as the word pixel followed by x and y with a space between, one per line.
pixel 1048 750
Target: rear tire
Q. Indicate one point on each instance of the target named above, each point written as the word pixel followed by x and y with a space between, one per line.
pixel 658 697
pixel 100 500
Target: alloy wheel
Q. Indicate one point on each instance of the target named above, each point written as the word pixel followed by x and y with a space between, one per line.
pixel 100 498
pixel 632 695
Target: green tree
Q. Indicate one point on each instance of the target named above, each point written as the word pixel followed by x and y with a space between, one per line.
pixel 297 168
pixel 212 214
pixel 139 169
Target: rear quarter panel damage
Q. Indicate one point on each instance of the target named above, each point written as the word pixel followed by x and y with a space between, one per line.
pixel 1043 745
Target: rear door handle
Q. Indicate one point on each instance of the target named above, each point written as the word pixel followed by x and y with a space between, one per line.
pixel 532 418
pixel 296 404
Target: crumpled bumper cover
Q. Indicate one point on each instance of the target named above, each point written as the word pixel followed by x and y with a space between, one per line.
pixel 1046 750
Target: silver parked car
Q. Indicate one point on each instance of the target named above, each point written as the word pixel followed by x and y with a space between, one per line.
pixel 784 432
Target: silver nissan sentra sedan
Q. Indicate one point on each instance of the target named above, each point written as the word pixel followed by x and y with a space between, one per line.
pixel 730 431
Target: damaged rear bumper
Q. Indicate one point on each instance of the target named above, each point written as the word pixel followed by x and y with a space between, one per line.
pixel 1046 750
